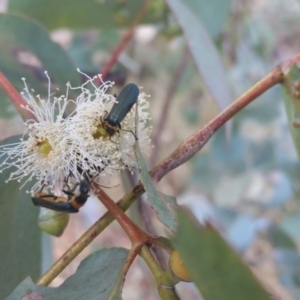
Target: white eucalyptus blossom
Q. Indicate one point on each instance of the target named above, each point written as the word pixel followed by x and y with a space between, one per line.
pixel 43 151
pixel 59 149
pixel 98 150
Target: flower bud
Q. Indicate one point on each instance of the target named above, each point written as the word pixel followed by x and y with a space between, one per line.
pixel 178 268
pixel 53 222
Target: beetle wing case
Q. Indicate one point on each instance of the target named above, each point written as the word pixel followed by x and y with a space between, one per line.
pixel 125 100
pixel 49 201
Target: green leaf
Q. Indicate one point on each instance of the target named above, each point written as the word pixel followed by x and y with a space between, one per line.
pixel 94 279
pixel 83 53
pixel 213 13
pixel 204 52
pixel 88 14
pixel 20 236
pixel 165 206
pixel 290 225
pixel 6 108
pixel 20 35
pixel 216 269
pixel 291 96
pixel 280 239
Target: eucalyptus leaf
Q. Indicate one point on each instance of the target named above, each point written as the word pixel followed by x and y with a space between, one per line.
pixel 280 239
pixel 217 270
pixel 213 13
pixel 204 52
pixel 6 108
pixel 20 235
pixel 82 50
pixel 291 95
pixel 164 206
pixel 21 37
pixel 290 224
pixel 77 14
pixel 94 279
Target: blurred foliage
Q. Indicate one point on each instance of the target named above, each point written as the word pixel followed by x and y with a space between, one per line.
pixel 80 15
pixel 105 265
pixel 165 206
pixel 20 237
pixel 18 46
pixel 248 184
pixel 218 272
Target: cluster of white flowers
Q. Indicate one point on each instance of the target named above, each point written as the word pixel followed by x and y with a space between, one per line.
pixel 56 147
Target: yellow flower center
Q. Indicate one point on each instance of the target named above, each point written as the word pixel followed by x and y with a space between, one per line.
pixel 44 147
pixel 100 131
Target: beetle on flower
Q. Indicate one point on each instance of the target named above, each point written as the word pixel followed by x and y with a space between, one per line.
pixel 56 148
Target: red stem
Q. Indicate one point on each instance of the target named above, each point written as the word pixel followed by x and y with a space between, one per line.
pixel 15 97
pixel 136 235
pixel 134 251
pixel 125 41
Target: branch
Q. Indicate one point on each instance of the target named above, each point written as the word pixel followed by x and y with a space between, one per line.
pixel 183 153
pixel 125 41
pixel 197 140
